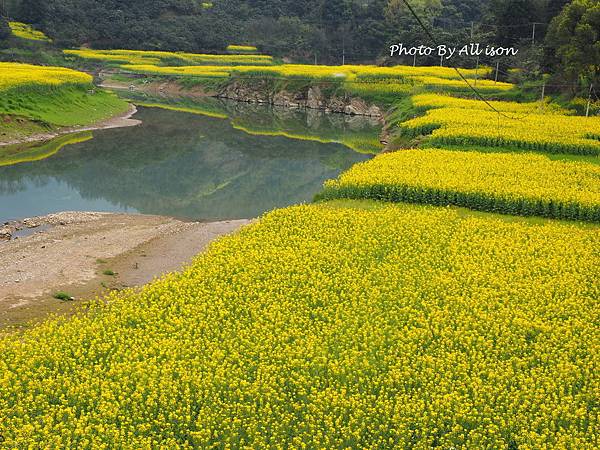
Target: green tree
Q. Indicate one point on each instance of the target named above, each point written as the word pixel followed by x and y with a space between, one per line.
pixel 5 31
pixel 573 42
pixel 425 9
pixel 514 20
pixel 31 11
pixel 554 8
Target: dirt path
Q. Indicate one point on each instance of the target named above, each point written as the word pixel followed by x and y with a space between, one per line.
pixel 120 121
pixel 88 254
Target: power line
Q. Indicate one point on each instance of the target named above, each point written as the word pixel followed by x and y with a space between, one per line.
pixel 477 93
pixel 491 25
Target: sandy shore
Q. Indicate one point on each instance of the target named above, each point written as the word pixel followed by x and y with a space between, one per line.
pixel 120 121
pixel 78 253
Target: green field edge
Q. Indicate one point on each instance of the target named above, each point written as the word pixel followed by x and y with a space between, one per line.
pixel 479 202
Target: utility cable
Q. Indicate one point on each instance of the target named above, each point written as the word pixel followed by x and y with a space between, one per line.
pixel 477 93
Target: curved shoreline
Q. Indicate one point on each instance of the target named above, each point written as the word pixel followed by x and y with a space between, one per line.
pixel 89 254
pixel 172 89
pixel 119 121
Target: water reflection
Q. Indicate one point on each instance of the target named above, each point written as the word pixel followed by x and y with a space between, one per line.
pixel 178 164
pixel 356 132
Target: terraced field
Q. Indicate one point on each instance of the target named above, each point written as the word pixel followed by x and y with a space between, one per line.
pixel 372 80
pixel 241 49
pixel 139 57
pixel 26 31
pixel 520 184
pixel 553 133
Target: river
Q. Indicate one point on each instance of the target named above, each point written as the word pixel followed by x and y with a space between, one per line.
pixel 219 160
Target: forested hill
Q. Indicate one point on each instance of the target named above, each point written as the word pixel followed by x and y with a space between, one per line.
pixel 360 28
pixel 329 31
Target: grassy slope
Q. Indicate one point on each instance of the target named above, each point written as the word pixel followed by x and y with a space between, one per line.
pixel 63 106
pixel 68 106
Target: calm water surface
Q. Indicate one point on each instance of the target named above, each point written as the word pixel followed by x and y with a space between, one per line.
pixel 185 165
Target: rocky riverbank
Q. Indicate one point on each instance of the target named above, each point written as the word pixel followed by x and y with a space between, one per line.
pixel 311 97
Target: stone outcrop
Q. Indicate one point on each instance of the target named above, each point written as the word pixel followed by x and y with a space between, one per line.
pixel 311 97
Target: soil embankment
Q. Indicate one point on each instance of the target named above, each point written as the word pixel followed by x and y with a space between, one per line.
pixel 89 254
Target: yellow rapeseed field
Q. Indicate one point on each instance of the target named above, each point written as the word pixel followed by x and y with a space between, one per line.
pixel 447 73
pixel 553 133
pixel 357 74
pixel 25 31
pixel 51 97
pixel 331 327
pixel 201 71
pixel 142 57
pixel 17 75
pixel 521 184
pixel 433 100
pixel 241 49
pixel 442 84
pixel 348 323
pixel 283 71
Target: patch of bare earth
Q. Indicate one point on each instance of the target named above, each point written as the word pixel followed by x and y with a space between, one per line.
pixel 88 254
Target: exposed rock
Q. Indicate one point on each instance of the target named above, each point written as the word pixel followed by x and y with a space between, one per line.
pixel 311 97
pixel 243 92
pixel 337 104
pixel 314 98
pixel 357 107
pixel 5 233
pixel 283 98
pixel 374 111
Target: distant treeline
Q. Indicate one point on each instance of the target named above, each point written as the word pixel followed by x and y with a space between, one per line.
pixel 329 31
